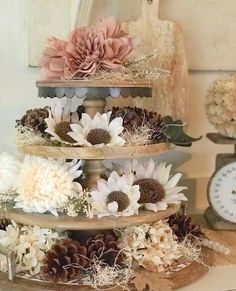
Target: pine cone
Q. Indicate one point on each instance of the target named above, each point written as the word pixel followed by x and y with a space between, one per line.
pixel 35 119
pixel 104 247
pixel 182 226
pixel 133 117
pixel 57 260
pixel 158 128
pixel 4 223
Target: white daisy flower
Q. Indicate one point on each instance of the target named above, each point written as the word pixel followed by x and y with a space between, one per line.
pixel 157 189
pixel 46 185
pixel 59 120
pixel 9 171
pixel 117 196
pixel 98 131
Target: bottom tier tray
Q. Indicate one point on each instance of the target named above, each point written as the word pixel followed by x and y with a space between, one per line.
pixel 182 278
pixel 84 223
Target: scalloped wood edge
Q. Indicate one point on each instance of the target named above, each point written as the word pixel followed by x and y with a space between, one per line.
pixel 85 153
pixel 83 223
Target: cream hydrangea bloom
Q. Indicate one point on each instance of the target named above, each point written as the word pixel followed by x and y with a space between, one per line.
pixel 59 120
pixel 29 243
pixel 157 189
pixel 46 185
pixel 98 131
pixel 151 245
pixel 9 171
pixel 116 197
pixel 221 105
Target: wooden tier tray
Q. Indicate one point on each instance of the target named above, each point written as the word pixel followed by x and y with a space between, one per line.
pixel 86 153
pixel 84 223
pixel 94 88
pixel 179 279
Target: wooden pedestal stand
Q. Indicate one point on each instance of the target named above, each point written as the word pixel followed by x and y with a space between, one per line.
pixel 93 167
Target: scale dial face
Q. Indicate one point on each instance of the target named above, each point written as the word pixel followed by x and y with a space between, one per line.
pixel 222 192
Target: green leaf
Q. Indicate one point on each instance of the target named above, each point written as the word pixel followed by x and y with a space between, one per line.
pixel 175 134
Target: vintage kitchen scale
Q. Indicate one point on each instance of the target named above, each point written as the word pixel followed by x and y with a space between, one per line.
pixel 221 215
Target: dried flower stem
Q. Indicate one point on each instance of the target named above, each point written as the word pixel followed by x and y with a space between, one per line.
pixel 217 247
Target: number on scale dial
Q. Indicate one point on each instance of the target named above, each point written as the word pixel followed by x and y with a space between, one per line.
pixel 222 192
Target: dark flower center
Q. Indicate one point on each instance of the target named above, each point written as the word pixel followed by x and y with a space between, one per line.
pixel 151 191
pixel 98 136
pixel 120 198
pixel 61 129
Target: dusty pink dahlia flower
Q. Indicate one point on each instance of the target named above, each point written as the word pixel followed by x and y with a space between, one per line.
pixel 87 51
pixel 54 60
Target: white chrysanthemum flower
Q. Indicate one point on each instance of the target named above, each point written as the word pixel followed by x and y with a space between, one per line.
pixel 9 170
pixel 157 189
pixel 98 131
pixel 46 185
pixel 30 244
pixel 59 120
pixel 117 196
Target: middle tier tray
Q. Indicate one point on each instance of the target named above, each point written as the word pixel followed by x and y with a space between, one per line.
pixel 83 223
pixel 103 153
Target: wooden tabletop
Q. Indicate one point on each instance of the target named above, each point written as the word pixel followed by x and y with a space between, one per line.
pixel 226 238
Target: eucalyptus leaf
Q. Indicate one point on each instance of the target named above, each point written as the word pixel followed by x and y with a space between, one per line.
pixel 174 133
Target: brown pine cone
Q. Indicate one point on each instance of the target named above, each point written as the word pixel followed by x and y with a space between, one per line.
pixel 4 223
pixel 104 247
pixel 133 117
pixel 182 226
pixel 56 264
pixel 35 119
pixel 158 129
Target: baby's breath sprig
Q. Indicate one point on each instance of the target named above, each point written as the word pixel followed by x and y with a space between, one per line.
pixel 78 205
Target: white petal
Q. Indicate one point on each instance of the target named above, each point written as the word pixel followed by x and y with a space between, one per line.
pixel 176 198
pixel 112 207
pixel 66 111
pixel 150 168
pixel 161 205
pixel 103 187
pixel 116 140
pixel 175 190
pixel 57 112
pixel 173 181
pixel 86 119
pixel 162 173
pixel 116 127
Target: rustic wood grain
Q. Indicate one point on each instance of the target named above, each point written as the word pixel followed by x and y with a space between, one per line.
pixel 226 238
pixel 193 272
pixel 170 95
pixel 86 153
pixel 65 222
pixel 95 83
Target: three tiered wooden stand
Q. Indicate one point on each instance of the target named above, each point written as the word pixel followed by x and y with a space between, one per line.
pixel 94 94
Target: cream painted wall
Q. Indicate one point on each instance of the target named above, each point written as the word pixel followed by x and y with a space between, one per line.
pixel 18 91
